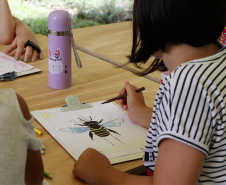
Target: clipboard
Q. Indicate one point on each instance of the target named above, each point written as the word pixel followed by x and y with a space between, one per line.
pixel 131 154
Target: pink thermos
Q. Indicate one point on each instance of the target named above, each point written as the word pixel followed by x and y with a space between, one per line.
pixel 60 39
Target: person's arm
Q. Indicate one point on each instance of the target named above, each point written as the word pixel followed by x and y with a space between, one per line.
pixel 135 106
pixel 22 34
pixel 34 170
pixel 100 171
pixel 177 164
pixel 7 23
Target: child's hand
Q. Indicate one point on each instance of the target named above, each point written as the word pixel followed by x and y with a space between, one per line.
pixel 133 98
pixel 135 105
pixel 19 43
pixel 92 166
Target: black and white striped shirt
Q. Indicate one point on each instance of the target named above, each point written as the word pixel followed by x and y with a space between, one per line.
pixel 190 108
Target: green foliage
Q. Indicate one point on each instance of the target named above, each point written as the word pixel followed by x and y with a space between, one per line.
pixel 35 18
pixel 104 13
pixel 80 23
pixel 84 13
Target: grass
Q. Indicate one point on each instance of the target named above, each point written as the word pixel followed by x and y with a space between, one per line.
pixel 84 13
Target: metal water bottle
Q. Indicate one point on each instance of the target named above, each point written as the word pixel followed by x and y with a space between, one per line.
pixel 60 39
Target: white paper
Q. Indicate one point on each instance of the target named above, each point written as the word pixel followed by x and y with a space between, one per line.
pixel 9 64
pixel 45 182
pixel 130 139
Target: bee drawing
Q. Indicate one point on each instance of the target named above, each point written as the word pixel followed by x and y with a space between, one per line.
pixel 94 127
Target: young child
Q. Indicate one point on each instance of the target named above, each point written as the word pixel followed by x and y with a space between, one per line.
pixel 186 139
pixel 20 158
pixel 16 33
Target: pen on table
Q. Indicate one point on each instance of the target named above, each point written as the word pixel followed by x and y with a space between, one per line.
pixel 122 96
pixel 38 132
pixel 47 175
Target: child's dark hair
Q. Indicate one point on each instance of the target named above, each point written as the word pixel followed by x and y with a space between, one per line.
pixel 157 23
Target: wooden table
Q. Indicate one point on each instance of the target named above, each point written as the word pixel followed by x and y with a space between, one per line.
pixel 97 80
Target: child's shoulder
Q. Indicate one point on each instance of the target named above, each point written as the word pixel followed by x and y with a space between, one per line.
pixel 201 74
pixel 199 70
pixel 6 90
pixel 7 95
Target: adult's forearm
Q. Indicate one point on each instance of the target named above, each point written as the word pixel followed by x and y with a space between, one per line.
pixel 21 27
pixel 7 27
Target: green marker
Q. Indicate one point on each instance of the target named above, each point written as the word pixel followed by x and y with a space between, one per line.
pixel 47 175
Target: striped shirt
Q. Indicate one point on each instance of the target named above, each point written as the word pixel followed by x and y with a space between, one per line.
pixel 190 108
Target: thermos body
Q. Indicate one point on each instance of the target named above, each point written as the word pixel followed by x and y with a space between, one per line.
pixel 59 50
pixel 59 62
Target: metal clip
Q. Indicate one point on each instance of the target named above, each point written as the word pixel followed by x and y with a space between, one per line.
pixel 77 59
pixel 8 76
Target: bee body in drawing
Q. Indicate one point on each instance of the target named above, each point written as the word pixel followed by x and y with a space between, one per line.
pixel 97 130
pixel 95 127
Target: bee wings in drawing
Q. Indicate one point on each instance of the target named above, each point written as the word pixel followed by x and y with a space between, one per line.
pixel 78 130
pixel 94 127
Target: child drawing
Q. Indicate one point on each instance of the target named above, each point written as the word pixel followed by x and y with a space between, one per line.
pixel 94 127
pixel 50 116
pixel 186 137
pixel 8 64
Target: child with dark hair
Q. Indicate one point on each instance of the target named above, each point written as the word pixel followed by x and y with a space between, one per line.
pixel 187 126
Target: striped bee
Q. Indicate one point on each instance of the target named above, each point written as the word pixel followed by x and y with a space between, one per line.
pixel 94 127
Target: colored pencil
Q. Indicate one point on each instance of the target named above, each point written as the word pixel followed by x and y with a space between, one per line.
pixel 38 132
pixel 47 175
pixel 44 148
pixel 42 151
pixel 122 96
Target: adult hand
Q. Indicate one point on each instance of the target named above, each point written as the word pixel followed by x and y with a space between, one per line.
pixel 23 34
pixel 135 105
pixel 19 43
pixel 92 166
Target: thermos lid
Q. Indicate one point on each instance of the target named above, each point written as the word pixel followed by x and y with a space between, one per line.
pixel 59 20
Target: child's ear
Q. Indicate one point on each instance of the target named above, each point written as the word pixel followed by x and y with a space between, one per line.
pixel 50 52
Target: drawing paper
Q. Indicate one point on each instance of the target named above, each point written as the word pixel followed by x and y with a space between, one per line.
pixel 9 64
pixel 122 137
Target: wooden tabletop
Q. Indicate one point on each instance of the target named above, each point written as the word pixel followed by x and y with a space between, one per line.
pixel 97 80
